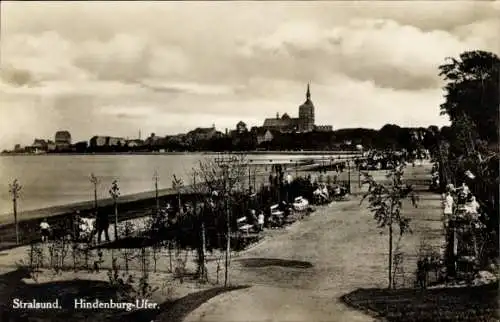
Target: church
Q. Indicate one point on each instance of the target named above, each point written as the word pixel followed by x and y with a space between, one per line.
pixel 304 123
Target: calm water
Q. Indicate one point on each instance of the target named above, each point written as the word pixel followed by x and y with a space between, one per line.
pixel 50 180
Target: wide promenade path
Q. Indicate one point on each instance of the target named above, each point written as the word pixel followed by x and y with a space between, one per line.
pixel 300 274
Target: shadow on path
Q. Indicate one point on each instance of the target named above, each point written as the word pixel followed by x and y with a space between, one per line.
pixel 266 262
pixel 446 304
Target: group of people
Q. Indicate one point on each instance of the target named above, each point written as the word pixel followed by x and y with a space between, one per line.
pixel 258 221
pixel 81 228
pixel 464 203
pixel 323 193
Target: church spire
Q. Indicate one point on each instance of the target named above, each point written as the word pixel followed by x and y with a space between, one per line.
pixel 308 94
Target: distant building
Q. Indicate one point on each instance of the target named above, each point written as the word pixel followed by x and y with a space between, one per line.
pixel 241 127
pixel 116 141
pixel 200 134
pixel 40 144
pixel 17 148
pixel 262 135
pixel 134 143
pixel 323 128
pixel 153 139
pixel 63 140
pixel 285 123
pixel 81 146
pixel 98 141
pixel 51 146
pixel 101 141
pixel 306 113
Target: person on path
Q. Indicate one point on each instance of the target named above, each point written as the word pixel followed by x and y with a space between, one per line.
pixel 102 225
pixel 76 225
pixel 260 221
pixel 45 230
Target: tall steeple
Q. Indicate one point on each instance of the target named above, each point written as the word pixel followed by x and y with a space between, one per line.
pixel 308 94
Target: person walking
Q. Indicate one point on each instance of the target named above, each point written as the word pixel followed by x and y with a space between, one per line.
pixel 102 225
pixel 45 230
pixel 260 221
pixel 76 226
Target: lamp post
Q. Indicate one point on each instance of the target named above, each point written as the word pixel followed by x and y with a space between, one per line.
pixel 249 179
pixel 95 181
pixel 14 189
pixel 155 179
pixel 349 175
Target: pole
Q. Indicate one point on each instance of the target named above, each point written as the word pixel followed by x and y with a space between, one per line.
pixel 156 196
pixel 254 179
pixel 14 201
pixel 228 239
pixel 359 176
pixel 249 178
pixel 349 176
pixel 95 197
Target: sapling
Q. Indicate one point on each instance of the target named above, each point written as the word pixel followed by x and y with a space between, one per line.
pixel 386 203
pixel 127 253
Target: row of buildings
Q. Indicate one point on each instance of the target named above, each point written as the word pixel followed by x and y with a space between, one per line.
pixel 305 122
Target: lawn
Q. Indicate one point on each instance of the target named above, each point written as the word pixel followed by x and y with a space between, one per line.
pixel 441 304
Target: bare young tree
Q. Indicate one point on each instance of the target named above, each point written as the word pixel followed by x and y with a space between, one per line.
pixel 14 189
pixel 221 176
pixel 386 203
pixel 178 185
pixel 114 191
pixel 95 181
pixel 157 199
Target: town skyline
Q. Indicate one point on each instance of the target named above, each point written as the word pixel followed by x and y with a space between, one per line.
pixel 167 68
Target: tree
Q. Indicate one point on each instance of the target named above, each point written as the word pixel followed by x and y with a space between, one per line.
pixel 14 189
pixel 389 136
pixel 222 177
pixel 178 185
pixel 114 191
pixel 386 203
pixel 472 91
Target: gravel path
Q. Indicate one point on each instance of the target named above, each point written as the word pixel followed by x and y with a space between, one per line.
pixel 300 274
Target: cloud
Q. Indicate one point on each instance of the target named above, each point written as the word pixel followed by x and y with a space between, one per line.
pixel 108 68
pixel 383 51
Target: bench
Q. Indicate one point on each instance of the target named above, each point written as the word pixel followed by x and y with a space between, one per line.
pixel 276 212
pixel 243 225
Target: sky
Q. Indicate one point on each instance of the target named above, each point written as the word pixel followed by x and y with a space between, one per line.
pixel 117 68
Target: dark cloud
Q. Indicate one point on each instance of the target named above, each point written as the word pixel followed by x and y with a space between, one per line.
pixel 17 77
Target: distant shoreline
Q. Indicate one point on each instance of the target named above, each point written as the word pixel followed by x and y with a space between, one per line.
pixel 185 153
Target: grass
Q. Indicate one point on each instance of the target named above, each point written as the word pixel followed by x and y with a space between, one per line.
pixel 446 304
pixel 13 286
